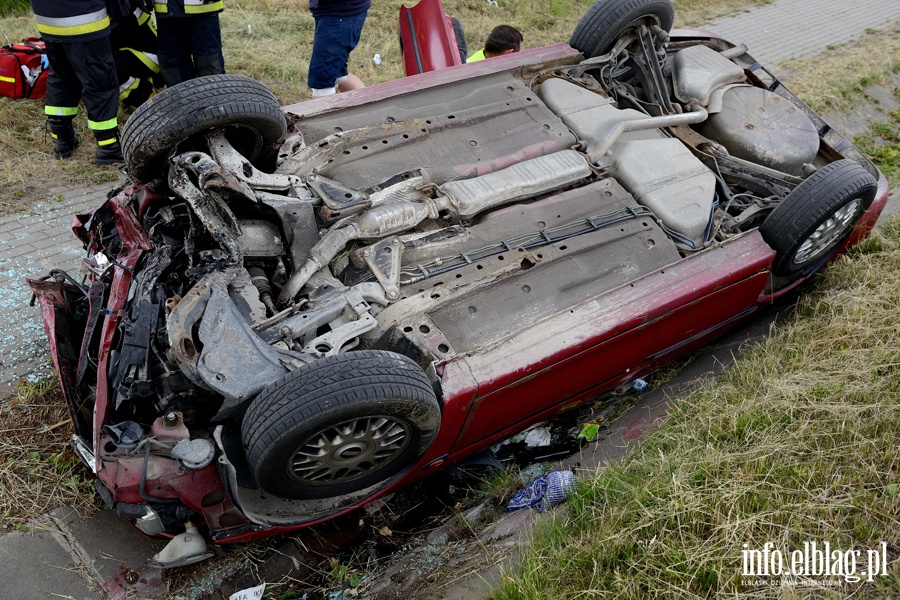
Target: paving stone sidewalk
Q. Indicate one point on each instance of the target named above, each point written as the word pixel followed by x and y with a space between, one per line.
pixel 30 245
pixel 796 29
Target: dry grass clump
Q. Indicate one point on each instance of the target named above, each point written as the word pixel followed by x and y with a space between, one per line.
pixel 38 469
pixel 798 442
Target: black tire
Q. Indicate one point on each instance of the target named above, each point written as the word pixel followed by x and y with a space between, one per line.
pixel 254 122
pixel 808 227
pixel 606 20
pixel 383 404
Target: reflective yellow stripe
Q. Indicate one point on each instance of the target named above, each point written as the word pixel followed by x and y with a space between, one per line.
pixel 199 10
pixel 196 7
pixel 149 60
pixel 141 16
pixel 73 30
pixel 60 111
pixel 144 20
pixel 191 7
pixel 100 125
pixel 73 21
pixel 8 79
pixel 107 142
pixel 129 86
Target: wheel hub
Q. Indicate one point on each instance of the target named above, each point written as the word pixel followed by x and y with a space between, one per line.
pixel 349 450
pixel 830 231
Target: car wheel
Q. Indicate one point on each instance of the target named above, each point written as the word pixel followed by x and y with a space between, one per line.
pixel 810 224
pixel 252 117
pixel 607 20
pixel 339 425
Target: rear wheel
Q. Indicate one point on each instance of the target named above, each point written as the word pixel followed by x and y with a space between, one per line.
pixel 340 425
pixel 808 227
pixel 245 108
pixel 608 20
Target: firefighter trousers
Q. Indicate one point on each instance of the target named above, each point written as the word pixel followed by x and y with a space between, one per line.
pixel 84 70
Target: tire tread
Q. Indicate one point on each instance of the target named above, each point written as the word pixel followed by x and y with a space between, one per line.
pixel 192 106
pixel 602 23
pixel 810 203
pixel 331 386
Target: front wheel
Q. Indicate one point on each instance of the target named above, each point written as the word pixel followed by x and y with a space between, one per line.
pixel 245 108
pixel 808 227
pixel 339 425
pixel 608 20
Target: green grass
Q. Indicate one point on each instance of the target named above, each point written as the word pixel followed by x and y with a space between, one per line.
pixel 14 8
pixel 836 80
pixel 882 144
pixel 797 442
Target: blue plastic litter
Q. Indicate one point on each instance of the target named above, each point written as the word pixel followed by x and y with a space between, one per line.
pixel 640 385
pixel 544 492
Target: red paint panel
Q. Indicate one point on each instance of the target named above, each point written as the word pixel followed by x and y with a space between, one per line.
pixel 427 42
pixel 134 244
pixel 602 338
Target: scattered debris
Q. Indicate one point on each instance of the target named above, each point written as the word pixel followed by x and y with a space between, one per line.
pixel 640 385
pixel 544 492
pixel 541 442
pixel 254 593
pixel 588 433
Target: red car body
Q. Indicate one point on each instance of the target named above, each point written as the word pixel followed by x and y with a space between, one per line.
pixel 427 39
pixel 488 392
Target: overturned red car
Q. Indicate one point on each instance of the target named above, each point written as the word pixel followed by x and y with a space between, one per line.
pixel 291 312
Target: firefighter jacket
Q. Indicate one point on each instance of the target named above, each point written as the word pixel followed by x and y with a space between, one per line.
pixel 187 8
pixel 71 20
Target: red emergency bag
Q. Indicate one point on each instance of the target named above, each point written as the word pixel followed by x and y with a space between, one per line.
pixel 23 69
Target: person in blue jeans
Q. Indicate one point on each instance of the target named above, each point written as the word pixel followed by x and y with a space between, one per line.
pixel 339 24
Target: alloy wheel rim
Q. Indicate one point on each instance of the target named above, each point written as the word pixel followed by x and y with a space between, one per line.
pixel 828 233
pixel 349 450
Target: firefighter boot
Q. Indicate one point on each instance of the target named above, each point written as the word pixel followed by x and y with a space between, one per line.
pixel 109 150
pixel 65 140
